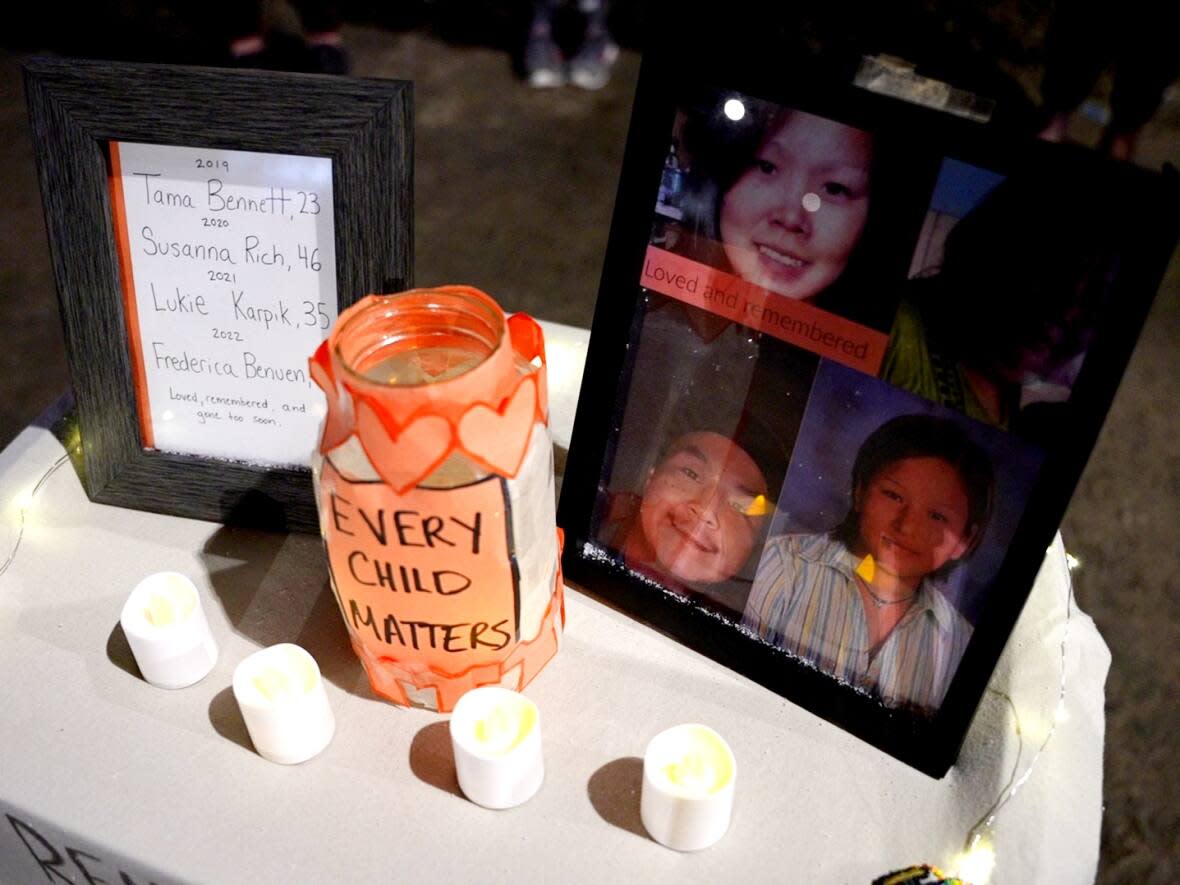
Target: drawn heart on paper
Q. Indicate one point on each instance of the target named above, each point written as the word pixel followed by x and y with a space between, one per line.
pixel 338 423
pixel 528 340
pixel 406 457
pixel 499 438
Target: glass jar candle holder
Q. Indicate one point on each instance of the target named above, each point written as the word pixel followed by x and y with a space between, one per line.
pixel 434 484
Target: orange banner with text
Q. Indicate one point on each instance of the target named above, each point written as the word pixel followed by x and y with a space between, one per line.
pixel 803 325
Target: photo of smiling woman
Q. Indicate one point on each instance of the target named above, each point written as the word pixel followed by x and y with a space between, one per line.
pixel 879 598
pixel 790 221
pixel 800 205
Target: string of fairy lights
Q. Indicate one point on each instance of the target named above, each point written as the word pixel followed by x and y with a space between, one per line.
pixel 977 860
pixel 22 506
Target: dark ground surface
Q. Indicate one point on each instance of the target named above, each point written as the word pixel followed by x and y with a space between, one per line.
pixel 514 191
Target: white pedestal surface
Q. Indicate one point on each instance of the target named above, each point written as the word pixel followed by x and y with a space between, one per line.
pixel 102 774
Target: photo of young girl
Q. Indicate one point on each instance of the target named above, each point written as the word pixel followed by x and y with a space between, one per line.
pixel 798 204
pixel 890 529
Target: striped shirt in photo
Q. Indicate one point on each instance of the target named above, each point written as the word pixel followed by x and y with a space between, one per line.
pixel 805 600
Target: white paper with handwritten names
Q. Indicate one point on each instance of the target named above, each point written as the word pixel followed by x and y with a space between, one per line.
pixel 233 265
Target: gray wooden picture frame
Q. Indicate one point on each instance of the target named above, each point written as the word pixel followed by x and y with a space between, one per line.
pixel 76 108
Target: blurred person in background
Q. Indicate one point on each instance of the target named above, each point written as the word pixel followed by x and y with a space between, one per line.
pixel 545 64
pixel 320 49
pixel 1137 37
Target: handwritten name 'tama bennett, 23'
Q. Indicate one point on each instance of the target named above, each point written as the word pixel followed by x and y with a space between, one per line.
pixel 278 201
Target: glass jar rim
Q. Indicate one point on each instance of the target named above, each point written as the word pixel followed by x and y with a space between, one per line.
pixel 486 326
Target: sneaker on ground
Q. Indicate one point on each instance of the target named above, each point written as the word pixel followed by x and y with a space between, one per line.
pixel 543 63
pixel 590 68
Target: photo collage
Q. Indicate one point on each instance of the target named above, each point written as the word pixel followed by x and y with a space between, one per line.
pixel 848 364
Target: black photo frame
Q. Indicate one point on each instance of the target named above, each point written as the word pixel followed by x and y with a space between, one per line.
pixel 631 411
pixel 78 107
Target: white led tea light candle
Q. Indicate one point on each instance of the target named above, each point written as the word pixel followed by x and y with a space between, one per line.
pixel 687 795
pixel 166 628
pixel 496 736
pixel 282 698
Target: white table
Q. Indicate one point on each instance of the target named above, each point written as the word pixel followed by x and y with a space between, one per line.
pixel 104 773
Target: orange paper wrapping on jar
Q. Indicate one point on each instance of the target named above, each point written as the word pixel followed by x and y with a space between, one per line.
pixel 434 483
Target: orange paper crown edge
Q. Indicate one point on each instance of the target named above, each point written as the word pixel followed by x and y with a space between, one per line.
pixel 495 435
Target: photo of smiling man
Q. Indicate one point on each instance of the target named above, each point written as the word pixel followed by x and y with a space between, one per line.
pixel 701 509
pixel 697 517
pixel 885 554
pixel 701 451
